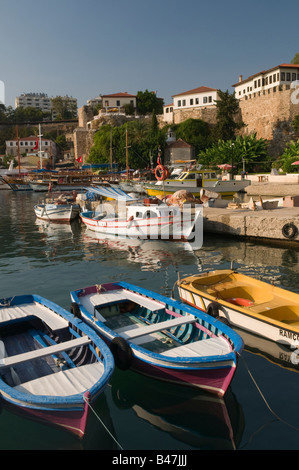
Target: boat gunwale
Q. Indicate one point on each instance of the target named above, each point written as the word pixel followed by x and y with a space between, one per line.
pixel 49 402
pixel 186 284
pixel 236 342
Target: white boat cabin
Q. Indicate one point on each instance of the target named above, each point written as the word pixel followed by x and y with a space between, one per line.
pixel 193 178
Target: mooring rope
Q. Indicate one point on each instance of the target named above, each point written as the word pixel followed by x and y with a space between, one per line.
pixel 264 399
pixel 104 426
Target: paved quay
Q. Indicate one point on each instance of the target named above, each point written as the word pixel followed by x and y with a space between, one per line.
pixel 273 189
pixel 276 225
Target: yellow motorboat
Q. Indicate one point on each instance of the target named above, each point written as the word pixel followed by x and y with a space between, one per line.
pixel 245 302
pixel 194 181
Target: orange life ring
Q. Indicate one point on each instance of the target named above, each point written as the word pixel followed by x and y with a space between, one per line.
pixel 240 301
pixel 161 172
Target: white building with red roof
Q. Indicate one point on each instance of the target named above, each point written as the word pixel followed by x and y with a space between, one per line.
pixel 201 97
pixel 118 100
pixel 267 81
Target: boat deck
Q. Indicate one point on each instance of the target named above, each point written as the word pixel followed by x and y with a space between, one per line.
pixel 32 309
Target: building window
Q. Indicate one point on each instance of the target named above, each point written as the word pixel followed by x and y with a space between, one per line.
pixel 210 99
pixel 196 100
pixel 191 102
pixel 293 77
pixel 184 102
pixel 179 103
pixel 205 99
pixel 117 103
pixel 283 76
pixel 288 77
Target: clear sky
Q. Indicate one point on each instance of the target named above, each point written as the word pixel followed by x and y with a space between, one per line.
pixel 91 47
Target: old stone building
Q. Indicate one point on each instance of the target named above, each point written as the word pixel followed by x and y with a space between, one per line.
pixel 268 104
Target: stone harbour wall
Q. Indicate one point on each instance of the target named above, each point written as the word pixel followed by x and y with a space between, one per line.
pixel 270 116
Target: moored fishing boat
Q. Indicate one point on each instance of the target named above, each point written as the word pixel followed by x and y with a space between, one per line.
pixel 142 219
pixel 3 184
pixel 194 181
pixel 17 183
pixel 59 209
pixel 52 365
pixel 251 304
pixel 159 336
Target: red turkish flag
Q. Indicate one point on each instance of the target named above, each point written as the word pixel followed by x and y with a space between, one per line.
pixel 36 145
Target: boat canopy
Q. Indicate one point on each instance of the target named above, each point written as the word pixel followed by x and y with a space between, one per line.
pixel 114 193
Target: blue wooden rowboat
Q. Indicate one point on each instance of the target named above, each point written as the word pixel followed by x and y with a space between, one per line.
pixel 159 336
pixel 52 365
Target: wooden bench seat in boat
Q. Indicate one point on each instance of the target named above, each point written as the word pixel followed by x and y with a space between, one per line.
pixel 15 312
pixel 134 331
pixel 221 286
pixel 205 347
pixel 38 353
pixel 65 382
pixel 94 301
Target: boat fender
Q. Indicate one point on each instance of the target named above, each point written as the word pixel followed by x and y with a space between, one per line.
pixel 122 353
pixel 213 310
pixel 75 310
pixel 289 230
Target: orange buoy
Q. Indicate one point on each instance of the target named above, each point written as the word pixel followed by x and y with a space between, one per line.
pixel 240 301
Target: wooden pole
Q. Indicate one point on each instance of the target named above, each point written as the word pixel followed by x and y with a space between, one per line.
pixel 18 143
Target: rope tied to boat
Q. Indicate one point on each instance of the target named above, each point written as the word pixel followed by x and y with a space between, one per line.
pixel 104 426
pixel 263 397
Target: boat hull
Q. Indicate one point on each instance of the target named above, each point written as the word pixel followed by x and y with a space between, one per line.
pixel 57 212
pixel 177 227
pixel 212 374
pixel 250 317
pixel 47 389
pixel 224 188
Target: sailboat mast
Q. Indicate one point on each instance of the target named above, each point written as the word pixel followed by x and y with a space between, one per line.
pixel 18 142
pixel 40 146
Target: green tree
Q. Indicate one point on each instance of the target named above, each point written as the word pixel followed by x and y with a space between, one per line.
pixel 147 102
pixel 295 124
pixel 289 156
pixel 64 107
pixel 295 59
pixel 227 109
pixel 142 141
pixel 195 132
pixel 248 150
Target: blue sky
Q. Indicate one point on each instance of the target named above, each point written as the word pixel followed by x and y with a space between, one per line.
pixel 91 47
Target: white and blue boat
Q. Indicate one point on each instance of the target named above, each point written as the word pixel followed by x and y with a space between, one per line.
pixel 159 336
pixel 52 365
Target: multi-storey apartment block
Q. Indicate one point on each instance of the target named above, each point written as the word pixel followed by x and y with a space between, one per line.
pixel 34 100
pixel 43 102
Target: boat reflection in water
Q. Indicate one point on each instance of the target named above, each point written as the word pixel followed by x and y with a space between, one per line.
pixel 276 353
pixel 194 418
pixel 149 253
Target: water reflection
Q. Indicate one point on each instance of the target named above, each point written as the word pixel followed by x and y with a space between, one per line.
pixel 276 353
pixel 197 419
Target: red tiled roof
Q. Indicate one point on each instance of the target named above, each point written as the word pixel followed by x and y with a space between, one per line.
pixel 179 144
pixel 201 89
pixel 281 66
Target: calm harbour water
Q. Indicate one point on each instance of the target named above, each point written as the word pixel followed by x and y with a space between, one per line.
pixel 141 414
